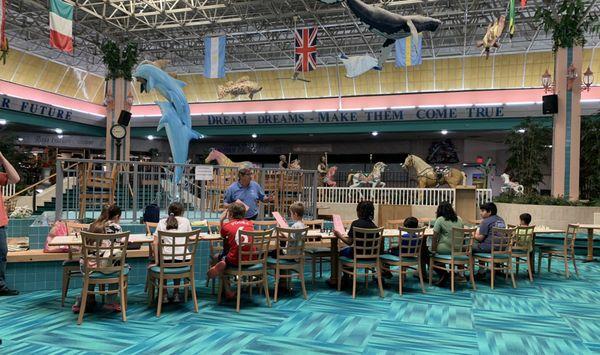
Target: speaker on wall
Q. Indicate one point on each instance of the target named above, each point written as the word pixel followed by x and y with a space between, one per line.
pixel 550 104
pixel 124 118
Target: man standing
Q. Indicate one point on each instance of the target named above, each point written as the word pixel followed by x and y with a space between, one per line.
pixel 10 176
pixel 246 192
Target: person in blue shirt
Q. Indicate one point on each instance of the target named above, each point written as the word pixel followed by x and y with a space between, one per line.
pixel 246 192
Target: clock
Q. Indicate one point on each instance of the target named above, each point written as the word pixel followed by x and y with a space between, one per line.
pixel 118 131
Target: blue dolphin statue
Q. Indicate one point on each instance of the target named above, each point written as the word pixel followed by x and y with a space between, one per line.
pixel 175 118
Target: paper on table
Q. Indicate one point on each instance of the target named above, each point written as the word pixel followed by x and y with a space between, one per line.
pixel 280 221
pixel 338 225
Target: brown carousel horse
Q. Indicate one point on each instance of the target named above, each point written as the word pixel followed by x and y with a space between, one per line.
pixel 429 177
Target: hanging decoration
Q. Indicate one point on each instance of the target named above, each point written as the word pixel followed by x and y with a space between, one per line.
pixel 358 65
pixel 511 18
pixel 523 4
pixel 492 35
pixel 306 49
pixel 408 52
pixel 61 26
pixel 214 57
pixel 3 39
pixel 243 86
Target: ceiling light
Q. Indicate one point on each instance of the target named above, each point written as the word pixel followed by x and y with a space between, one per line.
pixel 20 139
pixel 403 107
pixel 521 130
pixel 444 132
pixel 150 137
pixel 374 133
pixel 3 122
pixel 375 108
pixel 459 105
pixel 60 136
pixel 254 135
pixel 58 131
pixel 520 103
pixel 489 104
pixel 430 106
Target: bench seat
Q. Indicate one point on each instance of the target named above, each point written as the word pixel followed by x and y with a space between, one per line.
pixel 38 255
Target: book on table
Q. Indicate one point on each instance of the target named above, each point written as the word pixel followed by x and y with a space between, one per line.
pixel 280 221
pixel 338 225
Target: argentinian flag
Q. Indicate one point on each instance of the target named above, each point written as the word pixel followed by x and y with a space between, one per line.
pixel 214 57
pixel 408 51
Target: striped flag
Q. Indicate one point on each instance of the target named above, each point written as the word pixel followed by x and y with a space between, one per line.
pixel 61 25
pixel 511 18
pixel 214 57
pixel 2 22
pixel 306 49
pixel 408 52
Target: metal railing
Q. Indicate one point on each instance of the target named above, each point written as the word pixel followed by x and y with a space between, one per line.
pixel 135 185
pixel 395 196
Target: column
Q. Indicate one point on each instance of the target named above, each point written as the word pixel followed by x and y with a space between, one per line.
pixel 567 124
pixel 118 97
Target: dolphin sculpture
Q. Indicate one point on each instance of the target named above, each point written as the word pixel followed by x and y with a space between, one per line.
pixel 176 119
pixel 388 24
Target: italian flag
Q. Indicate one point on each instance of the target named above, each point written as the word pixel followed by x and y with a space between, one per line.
pixel 61 25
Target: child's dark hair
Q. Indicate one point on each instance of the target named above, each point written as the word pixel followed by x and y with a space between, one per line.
pixel 365 210
pixel 297 208
pixel 236 211
pixel 175 210
pixel 489 207
pixel 445 210
pixel 525 218
pixel 411 222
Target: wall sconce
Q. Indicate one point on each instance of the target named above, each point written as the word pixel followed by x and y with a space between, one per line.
pixel 588 79
pixel 571 76
pixel 547 82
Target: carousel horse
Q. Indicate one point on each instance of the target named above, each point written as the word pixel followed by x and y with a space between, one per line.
pixel 295 165
pixel 328 179
pixel 223 160
pixel 373 179
pixel 508 185
pixel 427 176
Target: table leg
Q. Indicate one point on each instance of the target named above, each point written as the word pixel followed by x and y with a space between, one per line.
pixel 334 261
pixel 532 256
pixel 590 246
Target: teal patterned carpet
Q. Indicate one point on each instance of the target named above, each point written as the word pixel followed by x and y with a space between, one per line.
pixel 550 316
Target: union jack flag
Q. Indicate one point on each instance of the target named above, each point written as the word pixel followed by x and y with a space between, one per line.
pixel 306 49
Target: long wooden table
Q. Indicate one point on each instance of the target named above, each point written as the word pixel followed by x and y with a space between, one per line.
pixel 590 240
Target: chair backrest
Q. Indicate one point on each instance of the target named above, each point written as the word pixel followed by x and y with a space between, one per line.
pixel 570 237
pixel 253 247
pixel 290 242
pixel 366 242
pixel 76 227
pixel 523 239
pixel 502 240
pixel 462 241
pixel 215 246
pixel 150 226
pixel 105 253
pixel 177 249
pixel 410 243
pixel 315 224
pixel 264 225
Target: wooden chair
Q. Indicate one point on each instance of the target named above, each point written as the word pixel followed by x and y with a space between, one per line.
pixel 104 258
pixel 522 248
pixel 97 188
pixel 565 251
pixel 500 257
pixel 253 250
pixel 460 256
pixel 150 227
pixel 366 244
pixel 215 247
pixel 316 249
pixel 71 266
pixel 409 255
pixel 289 257
pixel 177 253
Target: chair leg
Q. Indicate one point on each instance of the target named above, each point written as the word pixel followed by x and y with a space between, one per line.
pixel 493 267
pixel 354 277
pixel 400 280
pixel 575 264
pixel 276 283
pixel 512 275
pixel 539 268
pixel 314 270
pixel 194 296
pixel 430 271
pixel 472 274
pixel 320 267
pixel 529 268
pixel 380 281
pixel 84 294
pixel 339 277
pixel 266 287
pixel 239 294
pixel 549 261
pixel 220 293
pixel 65 285
pixel 517 269
pixel 301 276
pixel 123 300
pixel 150 290
pixel 161 289
pixel 452 277
pixel 566 258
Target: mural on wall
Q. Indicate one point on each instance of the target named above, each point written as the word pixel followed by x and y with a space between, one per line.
pixel 443 152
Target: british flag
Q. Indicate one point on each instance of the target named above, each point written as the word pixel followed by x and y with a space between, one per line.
pixel 306 49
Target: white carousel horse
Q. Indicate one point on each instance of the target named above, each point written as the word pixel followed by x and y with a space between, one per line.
pixel 373 179
pixel 511 186
pixel 429 177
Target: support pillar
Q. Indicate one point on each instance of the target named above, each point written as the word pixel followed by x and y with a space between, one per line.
pixel 118 97
pixel 567 125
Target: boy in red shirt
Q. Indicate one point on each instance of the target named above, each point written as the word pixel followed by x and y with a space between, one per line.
pixel 9 176
pixel 229 232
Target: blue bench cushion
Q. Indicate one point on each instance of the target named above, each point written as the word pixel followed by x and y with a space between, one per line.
pixel 171 270
pixel 395 259
pixel 101 275
pixel 489 256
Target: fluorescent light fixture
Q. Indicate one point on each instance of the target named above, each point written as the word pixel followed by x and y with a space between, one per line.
pixel 233 113
pixel 521 130
pixel 548 146
pixel 254 135
pixel 144 116
pixel 278 111
pixel 150 137
pixel 590 100
pixel 524 103
pixel 325 110
pixel 444 131
pixel 301 111
pixel 212 113
pixel 539 102
pixel 348 109
pixel 459 105
pixel 430 106
pixel 20 139
pixel 374 133
pixel 489 104
pixel 58 131
pixel 254 112
pixel 403 107
pixel 374 108
pixel 3 122
pixel 60 136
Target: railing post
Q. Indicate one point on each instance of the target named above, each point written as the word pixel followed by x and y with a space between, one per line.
pixel 202 199
pixel 33 203
pixel 59 191
pixel 314 195
pixel 136 195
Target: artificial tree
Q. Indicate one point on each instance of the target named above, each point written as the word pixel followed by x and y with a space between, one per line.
pixel 528 147
pixel 590 158
pixel 119 63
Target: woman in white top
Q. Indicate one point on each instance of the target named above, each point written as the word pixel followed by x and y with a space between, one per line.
pixel 174 223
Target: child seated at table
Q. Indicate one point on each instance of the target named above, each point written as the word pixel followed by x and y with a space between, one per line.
pixel 365 211
pixel 174 223
pixel 408 241
pixel 524 220
pixel 235 216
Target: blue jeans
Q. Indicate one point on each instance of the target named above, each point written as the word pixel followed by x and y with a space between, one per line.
pixel 3 254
